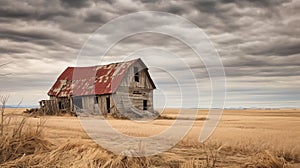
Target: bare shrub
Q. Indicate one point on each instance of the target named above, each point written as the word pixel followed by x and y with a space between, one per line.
pixel 22 141
pixel 211 153
pixel 3 101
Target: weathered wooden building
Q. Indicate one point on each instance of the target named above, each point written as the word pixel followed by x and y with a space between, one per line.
pixel 122 89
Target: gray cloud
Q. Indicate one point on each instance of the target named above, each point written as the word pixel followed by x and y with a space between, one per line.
pixel 256 39
pixel 75 3
pixel 280 48
pixel 28 10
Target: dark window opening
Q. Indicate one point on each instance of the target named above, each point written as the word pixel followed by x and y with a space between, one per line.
pixel 96 100
pixel 77 102
pixel 136 92
pixel 144 104
pixel 108 104
pixel 136 74
pixel 42 104
pixel 59 105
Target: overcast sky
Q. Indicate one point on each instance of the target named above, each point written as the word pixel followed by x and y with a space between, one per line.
pixel 258 42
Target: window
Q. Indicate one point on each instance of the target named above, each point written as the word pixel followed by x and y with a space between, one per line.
pixel 77 102
pixel 136 74
pixel 136 92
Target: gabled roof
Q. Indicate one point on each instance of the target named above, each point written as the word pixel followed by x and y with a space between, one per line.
pixel 94 80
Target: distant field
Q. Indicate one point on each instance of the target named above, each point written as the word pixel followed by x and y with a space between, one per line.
pixel 243 137
pixel 9 111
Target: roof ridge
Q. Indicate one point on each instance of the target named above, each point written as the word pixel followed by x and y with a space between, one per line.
pixel 104 64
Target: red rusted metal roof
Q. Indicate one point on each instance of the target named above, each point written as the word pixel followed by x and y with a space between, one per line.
pixel 94 80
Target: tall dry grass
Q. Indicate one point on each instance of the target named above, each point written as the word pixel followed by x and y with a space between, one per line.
pixel 215 154
pixel 3 101
pixel 24 144
pixel 20 140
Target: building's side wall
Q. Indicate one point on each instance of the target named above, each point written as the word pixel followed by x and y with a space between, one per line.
pixel 102 104
pixel 94 103
pixel 53 98
pixel 56 105
pixel 144 81
pixel 134 93
pixel 63 103
pixel 88 103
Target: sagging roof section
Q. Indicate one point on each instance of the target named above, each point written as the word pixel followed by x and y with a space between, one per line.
pixel 94 80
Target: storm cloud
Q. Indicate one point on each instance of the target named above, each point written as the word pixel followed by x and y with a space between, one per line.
pixel 258 42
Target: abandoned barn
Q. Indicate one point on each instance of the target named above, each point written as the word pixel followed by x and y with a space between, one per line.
pixel 119 89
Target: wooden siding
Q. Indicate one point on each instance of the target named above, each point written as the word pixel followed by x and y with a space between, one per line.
pixel 144 81
pixel 102 104
pixel 90 104
pixel 133 93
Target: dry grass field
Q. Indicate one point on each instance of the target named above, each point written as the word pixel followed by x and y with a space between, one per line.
pixel 243 138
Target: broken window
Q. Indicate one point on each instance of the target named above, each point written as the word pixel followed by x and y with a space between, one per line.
pixel 136 92
pixel 77 102
pixel 136 74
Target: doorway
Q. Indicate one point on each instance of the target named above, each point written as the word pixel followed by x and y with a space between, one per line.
pixel 108 104
pixel 144 104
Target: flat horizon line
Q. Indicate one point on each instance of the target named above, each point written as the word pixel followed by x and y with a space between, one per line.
pixel 158 108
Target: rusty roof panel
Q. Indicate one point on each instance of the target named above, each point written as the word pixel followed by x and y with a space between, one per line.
pixel 94 80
